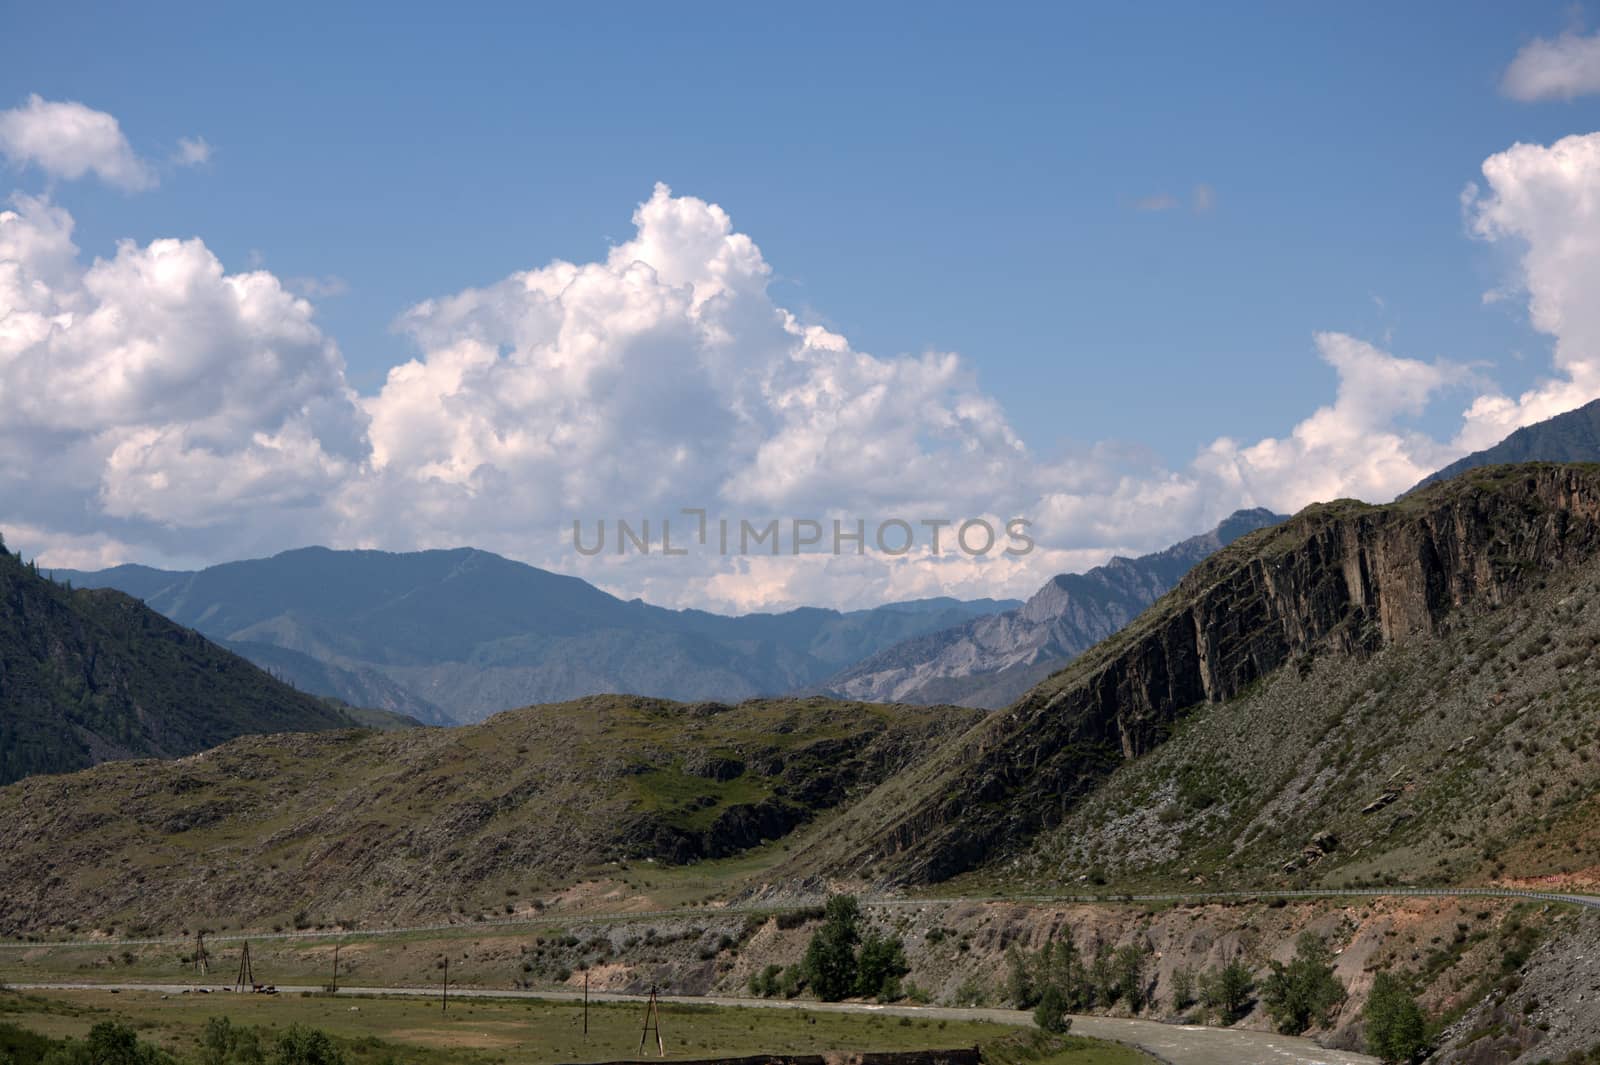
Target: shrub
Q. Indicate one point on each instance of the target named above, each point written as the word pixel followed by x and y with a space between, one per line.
pixel 224 1043
pixel 767 982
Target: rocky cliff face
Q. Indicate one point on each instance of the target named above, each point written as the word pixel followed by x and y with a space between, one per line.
pixel 1342 579
pixel 989 662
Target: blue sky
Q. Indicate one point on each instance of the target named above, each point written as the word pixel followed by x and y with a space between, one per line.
pixel 918 178
pixel 947 180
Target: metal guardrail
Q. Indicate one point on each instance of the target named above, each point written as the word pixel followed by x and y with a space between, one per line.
pixel 556 918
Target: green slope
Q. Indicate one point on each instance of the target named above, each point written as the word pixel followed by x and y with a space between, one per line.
pixel 430 822
pixel 87 676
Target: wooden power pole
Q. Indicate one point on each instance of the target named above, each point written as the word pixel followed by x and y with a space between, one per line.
pixel 202 961
pixel 335 985
pixel 246 980
pixel 586 1003
pixel 444 989
pixel 652 1022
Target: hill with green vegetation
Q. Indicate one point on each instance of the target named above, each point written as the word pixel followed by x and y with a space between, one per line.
pixel 426 823
pixel 88 676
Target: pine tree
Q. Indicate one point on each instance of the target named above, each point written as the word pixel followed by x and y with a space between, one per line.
pixel 1304 992
pixel 1397 1032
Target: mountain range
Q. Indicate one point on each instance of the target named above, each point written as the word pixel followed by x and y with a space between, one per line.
pixel 452 636
pixel 1357 697
pixel 1382 675
pixel 990 661
pixel 1570 437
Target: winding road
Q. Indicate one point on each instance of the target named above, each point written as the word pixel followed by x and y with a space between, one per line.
pixel 1177 1044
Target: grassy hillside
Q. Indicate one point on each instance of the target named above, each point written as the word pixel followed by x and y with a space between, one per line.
pixel 433 823
pixel 87 676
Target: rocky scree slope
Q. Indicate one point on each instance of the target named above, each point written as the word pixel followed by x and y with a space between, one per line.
pixel 1343 579
pixel 91 676
pixel 422 824
pixel 991 661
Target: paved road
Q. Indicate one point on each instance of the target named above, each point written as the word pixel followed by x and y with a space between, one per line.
pixel 1176 1044
pixel 557 916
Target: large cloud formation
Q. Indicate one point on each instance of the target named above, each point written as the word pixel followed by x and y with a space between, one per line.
pixel 155 407
pixel 154 393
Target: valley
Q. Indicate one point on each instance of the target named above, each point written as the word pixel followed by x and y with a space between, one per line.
pixel 1369 725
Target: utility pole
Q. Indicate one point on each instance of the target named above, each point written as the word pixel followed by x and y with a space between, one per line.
pixel 586 1003
pixel 335 985
pixel 202 963
pixel 444 989
pixel 652 1022
pixel 246 980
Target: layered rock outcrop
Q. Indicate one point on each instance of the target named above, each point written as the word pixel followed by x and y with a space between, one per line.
pixel 1343 578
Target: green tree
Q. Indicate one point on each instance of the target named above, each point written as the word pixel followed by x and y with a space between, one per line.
pixel 1051 1011
pixel 1102 977
pixel 766 983
pixel 1056 964
pixel 301 1045
pixel 108 1043
pixel 1182 987
pixel 1304 992
pixel 792 982
pixel 1228 990
pixel 1397 1032
pixel 1128 967
pixel 829 965
pixel 1022 986
pixel 879 967
pixel 225 1043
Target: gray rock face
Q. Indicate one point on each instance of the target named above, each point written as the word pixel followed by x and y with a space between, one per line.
pixel 989 662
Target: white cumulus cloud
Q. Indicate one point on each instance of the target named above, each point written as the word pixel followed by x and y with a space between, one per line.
pixel 154 405
pixel 1561 68
pixel 66 139
pixel 154 390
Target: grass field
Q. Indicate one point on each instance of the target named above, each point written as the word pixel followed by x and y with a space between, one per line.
pixel 495 1031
